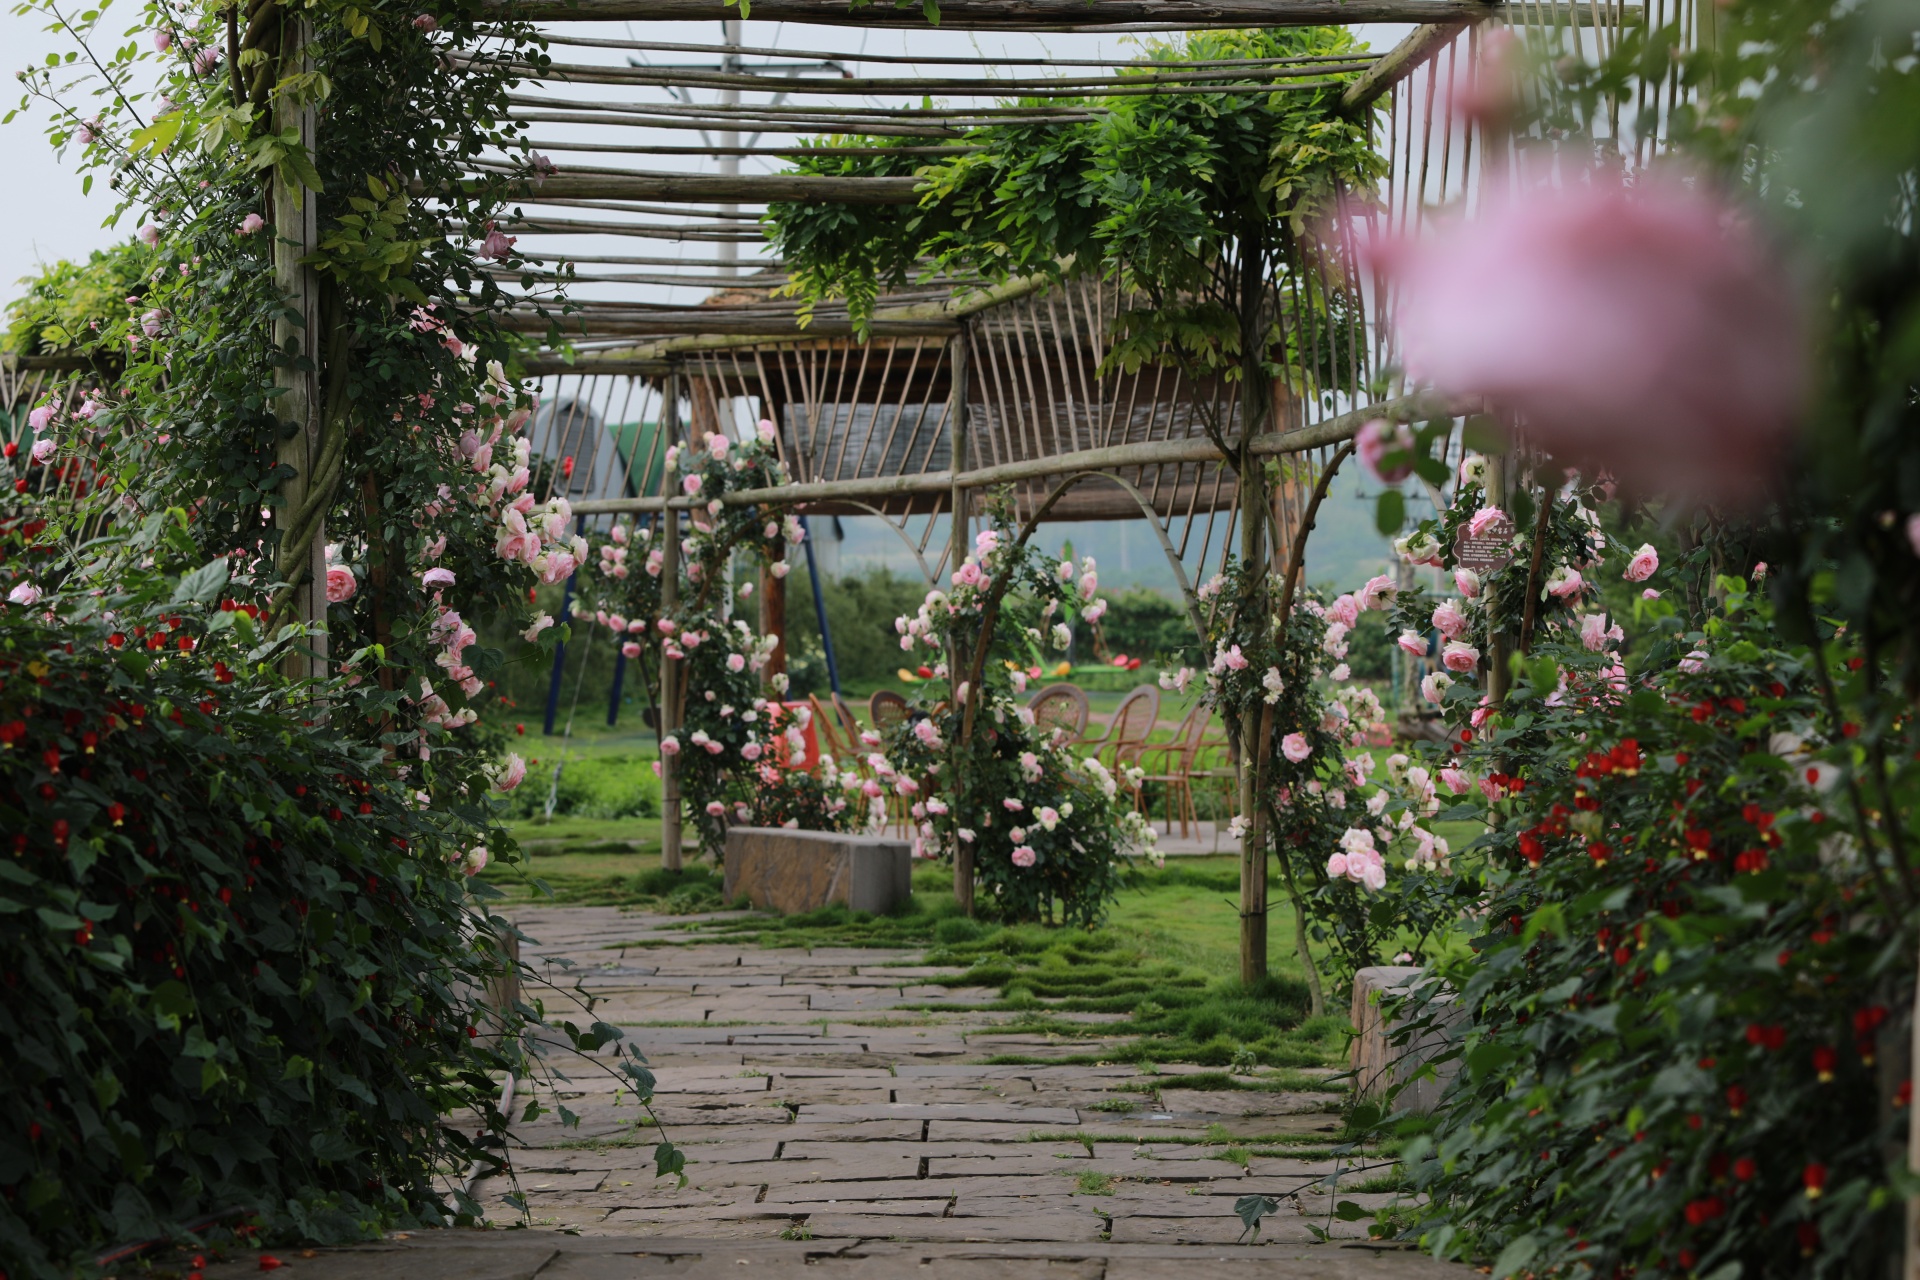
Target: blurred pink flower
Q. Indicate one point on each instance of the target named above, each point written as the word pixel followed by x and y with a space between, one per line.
pixel 1459 656
pixel 40 417
pixel 1294 747
pixel 1646 331
pixel 1484 519
pixel 1378 593
pixel 251 223
pixel 1375 440
pixel 426 22
pixel 1412 643
pixel 1449 621
pixel 512 775
pixel 1454 780
pixel 1468 582
pixel 1024 856
pixel 497 244
pixel 437 577
pixel 1643 565
pixel 42 450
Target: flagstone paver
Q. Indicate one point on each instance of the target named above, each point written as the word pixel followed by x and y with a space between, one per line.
pixel 834 1134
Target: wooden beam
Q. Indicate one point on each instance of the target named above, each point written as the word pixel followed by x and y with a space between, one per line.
pixel 1399 62
pixel 720 325
pixel 1008 15
pixel 697 188
pixel 1147 454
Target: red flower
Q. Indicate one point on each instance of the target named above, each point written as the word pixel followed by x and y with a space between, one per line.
pixel 1904 1094
pixel 1814 1176
pixel 1701 1212
pixel 1736 1099
pixel 1809 1236
pixel 52 756
pixel 1744 1169
pixel 1824 1062
pixel 60 832
pixel 117 813
pixel 1767 1036
pixel 12 732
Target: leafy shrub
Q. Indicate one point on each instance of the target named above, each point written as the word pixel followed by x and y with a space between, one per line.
pixel 239 963
pixel 1142 623
pixel 1680 1055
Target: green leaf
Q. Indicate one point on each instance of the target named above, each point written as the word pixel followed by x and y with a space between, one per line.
pixel 1515 1257
pixel 1390 512
pixel 204 584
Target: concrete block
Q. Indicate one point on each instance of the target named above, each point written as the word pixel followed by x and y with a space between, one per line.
pixel 790 871
pixel 1378 1063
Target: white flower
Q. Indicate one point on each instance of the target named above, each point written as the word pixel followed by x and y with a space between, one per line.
pixel 1273 684
pixel 1062 635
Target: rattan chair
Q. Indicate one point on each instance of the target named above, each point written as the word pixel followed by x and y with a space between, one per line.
pixel 1062 709
pixel 887 709
pixel 1119 747
pixel 1171 764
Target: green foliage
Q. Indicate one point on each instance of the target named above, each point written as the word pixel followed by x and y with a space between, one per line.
pixel 81 306
pixel 1143 623
pixel 239 959
pixel 1194 202
pixel 860 612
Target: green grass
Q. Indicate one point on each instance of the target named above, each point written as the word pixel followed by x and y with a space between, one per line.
pixel 1093 1184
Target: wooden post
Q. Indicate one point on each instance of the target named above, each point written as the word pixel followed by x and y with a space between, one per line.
pixel 959 539
pixel 670 670
pixel 773 611
pixel 1253 842
pixel 1499 644
pixel 296 333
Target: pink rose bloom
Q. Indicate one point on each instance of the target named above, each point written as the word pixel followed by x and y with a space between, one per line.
pixel 40 417
pixel 872 789
pixel 1459 656
pixel 690 485
pixel 1012 805
pixel 713 748
pixel 1483 519
pixel 751 751
pixel 426 22
pixel 1235 660
pixel 340 584
pixel 1449 621
pixel 497 244
pixel 765 431
pixel 1647 332
pixel 437 577
pixel 1294 747
pixel 1024 856
pixel 1468 583
pixel 1593 632
pixel 25 593
pixel 42 450
pixel 1483 712
pixel 1337 866
pixel 1345 610
pixel 669 746
pixel 1454 780
pixel 559 565
pixel 1413 644
pixel 1434 685
pixel 1565 582
pixel 150 235
pixel 631 649
pixel 513 775
pixel 718 444
pixel 162 40
pixel 715 809
pixel 1378 593
pixel 1646 560
pixel 1379 438
pixel 1651 593
pixel 251 223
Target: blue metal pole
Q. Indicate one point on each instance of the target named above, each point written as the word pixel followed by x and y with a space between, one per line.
pixel 560 646
pixel 820 609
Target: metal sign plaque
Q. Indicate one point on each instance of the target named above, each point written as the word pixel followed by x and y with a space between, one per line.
pixel 1488 551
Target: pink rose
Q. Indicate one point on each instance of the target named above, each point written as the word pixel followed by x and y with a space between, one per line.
pixel 1646 560
pixel 1651 593
pixel 426 22
pixel 340 584
pixel 1565 582
pixel 669 746
pixel 497 244
pixel 1483 519
pixel 1378 593
pixel 1337 866
pixel 162 40
pixel 1413 644
pixel 25 593
pixel 736 663
pixel 1345 610
pixel 1294 747
pixel 1434 685
pixel 1455 780
pixel 251 223
pixel 765 431
pixel 513 775
pixel 631 649
pixel 1449 621
pixel 41 416
pixel 1459 656
pixel 437 577
pixel 1468 583
pixel 42 450
pixel 1024 856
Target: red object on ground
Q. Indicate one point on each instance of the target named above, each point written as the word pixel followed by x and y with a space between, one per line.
pixel 270 1263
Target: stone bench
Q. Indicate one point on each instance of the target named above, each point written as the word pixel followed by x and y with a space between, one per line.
pixel 785 870
pixel 1378 1063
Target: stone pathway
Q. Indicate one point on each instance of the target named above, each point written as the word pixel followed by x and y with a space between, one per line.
pixel 826 1126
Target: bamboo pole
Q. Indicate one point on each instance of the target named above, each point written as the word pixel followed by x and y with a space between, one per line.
pixel 670 669
pixel 959 366
pixel 296 334
pixel 992 15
